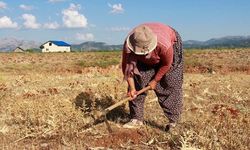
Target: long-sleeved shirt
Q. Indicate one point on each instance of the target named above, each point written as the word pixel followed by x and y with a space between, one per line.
pixel 162 55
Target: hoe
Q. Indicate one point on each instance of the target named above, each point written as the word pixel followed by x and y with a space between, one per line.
pixel 102 114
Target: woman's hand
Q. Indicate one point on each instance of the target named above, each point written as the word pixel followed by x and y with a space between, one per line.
pixel 152 84
pixel 132 91
pixel 132 94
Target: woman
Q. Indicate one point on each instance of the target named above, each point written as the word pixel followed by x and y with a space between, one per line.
pixel 152 55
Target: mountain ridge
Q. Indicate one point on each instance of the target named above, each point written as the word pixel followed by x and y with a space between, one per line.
pixel 227 41
pixel 94 46
pixel 9 44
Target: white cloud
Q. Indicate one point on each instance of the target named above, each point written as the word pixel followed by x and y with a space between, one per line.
pixel 72 18
pixel 92 25
pixel 6 22
pixel 3 5
pixel 85 37
pixel 51 25
pixel 116 8
pixel 119 29
pixel 54 1
pixel 25 7
pixel 30 21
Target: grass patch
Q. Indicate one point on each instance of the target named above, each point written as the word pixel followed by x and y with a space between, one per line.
pixel 101 63
pixel 1 77
pixel 100 59
pixel 18 67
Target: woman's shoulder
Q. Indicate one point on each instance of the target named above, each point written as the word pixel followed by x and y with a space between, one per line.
pixel 163 46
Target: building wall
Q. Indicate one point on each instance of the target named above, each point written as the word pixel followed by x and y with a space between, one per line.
pixel 18 50
pixel 51 47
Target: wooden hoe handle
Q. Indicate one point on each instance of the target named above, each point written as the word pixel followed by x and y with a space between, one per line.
pixel 126 99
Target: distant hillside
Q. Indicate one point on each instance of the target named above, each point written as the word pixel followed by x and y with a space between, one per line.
pixel 224 42
pixel 228 41
pixel 93 46
pixel 9 44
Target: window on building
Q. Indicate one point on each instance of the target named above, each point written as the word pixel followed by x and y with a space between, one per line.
pixel 50 44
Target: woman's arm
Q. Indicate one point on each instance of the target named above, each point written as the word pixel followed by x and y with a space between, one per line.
pixel 166 60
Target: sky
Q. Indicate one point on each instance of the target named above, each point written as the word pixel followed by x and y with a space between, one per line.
pixel 109 21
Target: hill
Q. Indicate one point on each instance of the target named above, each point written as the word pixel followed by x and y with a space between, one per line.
pixel 8 44
pixel 228 42
pixel 93 46
pixel 224 42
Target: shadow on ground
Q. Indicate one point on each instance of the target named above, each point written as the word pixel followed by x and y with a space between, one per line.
pixel 155 125
pixel 88 103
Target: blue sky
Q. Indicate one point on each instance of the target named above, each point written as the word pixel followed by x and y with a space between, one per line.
pixel 77 21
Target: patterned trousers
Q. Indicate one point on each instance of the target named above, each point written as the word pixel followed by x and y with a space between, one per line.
pixel 168 90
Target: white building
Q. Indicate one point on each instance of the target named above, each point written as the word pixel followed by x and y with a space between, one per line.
pixel 55 46
pixel 19 50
